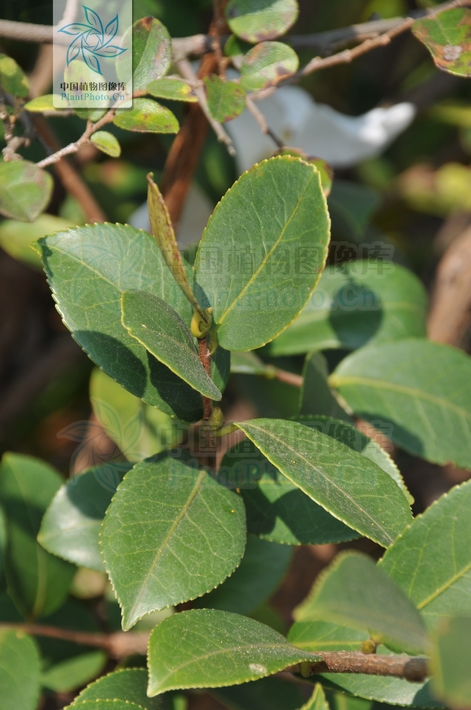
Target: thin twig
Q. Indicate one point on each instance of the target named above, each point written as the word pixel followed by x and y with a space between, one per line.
pixel 289 377
pixel 261 120
pixel 187 72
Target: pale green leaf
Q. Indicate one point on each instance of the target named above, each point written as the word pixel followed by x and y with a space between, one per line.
pixel 267 64
pixel 174 89
pixel 12 78
pixel 258 20
pixel 447 37
pixel 71 525
pixel 127 684
pixel 37 581
pixel 431 560
pixel 207 648
pixel 188 535
pixel 422 389
pixel 359 302
pixel 17 238
pixel 106 705
pixel 263 250
pixel 226 99
pixel 150 56
pixel 107 143
pixel 317 701
pixel 19 671
pixel 354 490
pixel 25 190
pixel 316 397
pixel 146 116
pixel 355 592
pixel 73 673
pixel 88 269
pixel 451 662
pixel 159 328
pixel 48 102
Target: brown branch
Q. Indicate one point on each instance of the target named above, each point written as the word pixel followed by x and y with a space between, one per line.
pixel 262 122
pixel 413 669
pixel 289 377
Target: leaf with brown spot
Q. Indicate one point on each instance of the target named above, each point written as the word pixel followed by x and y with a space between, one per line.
pixel 151 53
pixel 267 64
pixel 448 39
pixel 260 20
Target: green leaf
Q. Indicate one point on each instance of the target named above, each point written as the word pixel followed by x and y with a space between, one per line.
pixel 3 548
pixel 162 229
pixel 12 78
pixel 355 592
pixel 250 364
pixel 316 396
pixel 162 332
pixel 25 190
pixel 79 72
pixel 325 636
pixel 418 387
pixel 261 570
pixel 173 89
pixel 226 99
pixel 258 20
pixel 106 705
pixel 359 302
pixel 447 37
pixel 151 53
pixel 67 666
pixel 107 143
pixel 19 671
pixel 325 170
pixel 37 581
pixel 159 507
pixel 17 238
pixel 317 701
pixel 146 116
pixel 88 269
pixel 262 251
pixel 219 649
pixel 270 693
pixel 345 483
pixel 394 691
pixel 267 64
pixel 71 525
pixel 138 429
pixel 431 560
pixel 451 662
pixel 128 684
pixel 48 102
pixel 277 510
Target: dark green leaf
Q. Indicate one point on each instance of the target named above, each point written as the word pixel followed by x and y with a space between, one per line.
pixel 355 592
pixel 218 649
pixel 420 388
pixel 146 116
pixel 447 37
pixel 325 170
pixel 258 20
pixel 88 268
pixel 158 509
pixel 37 581
pixel 151 53
pixel 451 662
pixel 12 78
pixel 266 694
pixel 128 684
pixel 431 560
pixel 107 143
pixel 159 328
pixel 394 691
pixel 19 671
pixel 357 303
pixel 326 636
pixel 316 395
pixel 226 99
pixel 106 705
pixel 256 235
pixel 25 190
pixel 3 548
pixel 261 570
pixel 74 672
pixel 345 483
pixel 249 364
pixel 267 64
pixel 71 525
pixel 317 701
pixel 277 510
pixel 173 89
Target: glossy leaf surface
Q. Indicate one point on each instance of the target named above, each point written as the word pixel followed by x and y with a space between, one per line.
pixel 351 488
pixel 364 301
pixel 188 535
pixel 355 592
pixel 128 684
pixel 422 388
pixel 256 235
pixel 267 64
pixel 25 190
pixel 37 581
pixel 159 328
pixel 431 560
pixel 205 648
pixel 258 20
pixel 325 635
pixel 71 525
pixel 88 269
